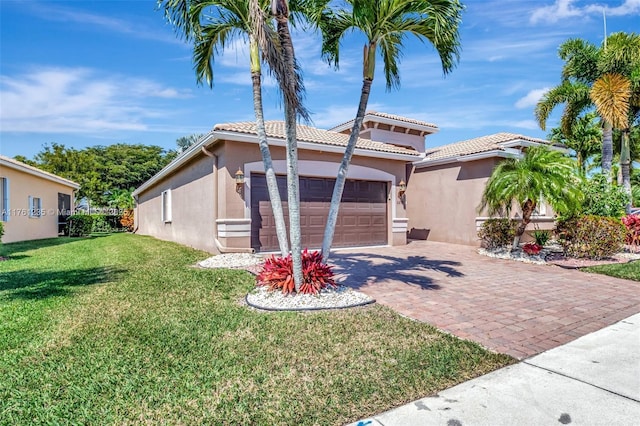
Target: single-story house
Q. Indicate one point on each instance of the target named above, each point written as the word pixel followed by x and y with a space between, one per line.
pixel 35 203
pixel 213 196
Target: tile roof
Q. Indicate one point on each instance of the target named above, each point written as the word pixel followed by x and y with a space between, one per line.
pixel 391 117
pixel 276 129
pixel 477 145
pixel 37 171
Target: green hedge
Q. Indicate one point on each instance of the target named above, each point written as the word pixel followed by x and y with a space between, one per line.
pixel 79 225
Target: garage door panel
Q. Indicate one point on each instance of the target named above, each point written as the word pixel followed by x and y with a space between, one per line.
pixel 362 219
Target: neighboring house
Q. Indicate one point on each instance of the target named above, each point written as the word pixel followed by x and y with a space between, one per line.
pixel 201 200
pixel 35 203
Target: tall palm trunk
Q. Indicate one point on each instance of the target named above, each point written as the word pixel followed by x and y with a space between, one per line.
pixel 338 187
pixel 607 149
pixel 625 163
pixel 280 10
pixel 527 210
pixel 272 183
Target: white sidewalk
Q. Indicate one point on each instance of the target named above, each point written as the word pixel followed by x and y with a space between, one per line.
pixel 594 380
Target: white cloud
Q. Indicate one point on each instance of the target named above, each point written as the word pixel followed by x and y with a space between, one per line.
pixel 562 9
pixel 531 98
pixel 114 25
pixel 524 124
pixel 79 100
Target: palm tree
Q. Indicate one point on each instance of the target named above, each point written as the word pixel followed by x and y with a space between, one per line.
pixel 584 138
pixel 541 173
pixel 385 24
pixel 211 25
pixel 612 94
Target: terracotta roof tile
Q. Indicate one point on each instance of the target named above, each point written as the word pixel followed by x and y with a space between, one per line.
pixel 477 145
pixel 276 129
pixel 391 117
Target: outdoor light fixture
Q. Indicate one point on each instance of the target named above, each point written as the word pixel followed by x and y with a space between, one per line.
pixel 402 188
pixel 239 180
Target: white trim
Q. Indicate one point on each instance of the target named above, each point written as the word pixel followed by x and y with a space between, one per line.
pixel 183 158
pixel 39 173
pixel 399 225
pixel 35 210
pixel 319 169
pixel 233 228
pixel 166 215
pixel 525 144
pixel 385 120
pixel 470 157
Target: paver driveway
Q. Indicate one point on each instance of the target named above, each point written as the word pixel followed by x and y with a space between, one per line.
pixel 510 307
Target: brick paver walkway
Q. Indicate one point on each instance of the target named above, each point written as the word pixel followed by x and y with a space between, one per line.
pixel 510 307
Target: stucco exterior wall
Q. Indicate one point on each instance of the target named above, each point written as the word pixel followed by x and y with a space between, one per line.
pixel 192 206
pixel 21 227
pixel 444 200
pixel 198 218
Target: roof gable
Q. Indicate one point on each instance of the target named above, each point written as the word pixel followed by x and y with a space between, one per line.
pixel 383 117
pixel 18 165
pixel 496 142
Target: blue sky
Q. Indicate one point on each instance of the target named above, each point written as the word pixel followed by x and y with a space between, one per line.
pixel 84 73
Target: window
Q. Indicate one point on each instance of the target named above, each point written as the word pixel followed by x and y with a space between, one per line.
pixel 35 206
pixel 166 206
pixel 541 208
pixel 4 199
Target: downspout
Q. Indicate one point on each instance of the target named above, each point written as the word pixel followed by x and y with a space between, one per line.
pixel 135 214
pixel 219 246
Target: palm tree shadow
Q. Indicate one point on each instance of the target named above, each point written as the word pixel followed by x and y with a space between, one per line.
pixel 31 284
pixel 357 270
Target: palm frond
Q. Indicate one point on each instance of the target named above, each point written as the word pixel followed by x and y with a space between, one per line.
pixel 611 94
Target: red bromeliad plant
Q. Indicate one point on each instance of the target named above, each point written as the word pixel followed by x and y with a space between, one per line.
pixel 531 248
pixel 632 223
pixel 277 274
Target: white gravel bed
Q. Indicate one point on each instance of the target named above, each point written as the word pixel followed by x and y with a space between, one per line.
pixel 518 255
pixel 231 260
pixel 629 255
pixel 340 297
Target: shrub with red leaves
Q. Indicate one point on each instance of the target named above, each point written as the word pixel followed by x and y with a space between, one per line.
pixel 277 274
pixel 531 248
pixel 632 223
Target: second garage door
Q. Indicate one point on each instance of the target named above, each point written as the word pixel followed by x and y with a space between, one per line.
pixel 362 220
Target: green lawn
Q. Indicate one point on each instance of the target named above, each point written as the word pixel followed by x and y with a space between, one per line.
pixel 121 329
pixel 630 271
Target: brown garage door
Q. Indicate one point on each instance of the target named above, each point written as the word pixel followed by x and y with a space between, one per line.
pixel 362 220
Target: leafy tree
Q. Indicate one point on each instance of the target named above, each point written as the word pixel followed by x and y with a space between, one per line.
pixel 601 198
pixel 584 138
pixel 185 142
pixel 385 25
pixel 102 170
pixel 541 173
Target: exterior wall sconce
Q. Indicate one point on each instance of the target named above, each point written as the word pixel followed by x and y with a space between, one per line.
pixel 402 188
pixel 239 181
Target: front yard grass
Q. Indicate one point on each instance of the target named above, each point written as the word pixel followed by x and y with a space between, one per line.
pixel 120 329
pixel 629 271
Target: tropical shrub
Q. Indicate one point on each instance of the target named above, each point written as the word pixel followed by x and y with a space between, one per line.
pixel 126 220
pixel 1 231
pixel 532 248
pixel 79 225
pixel 496 233
pixel 592 237
pixel 602 198
pixel 632 223
pixel 541 237
pixel 277 274
pixel 100 223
